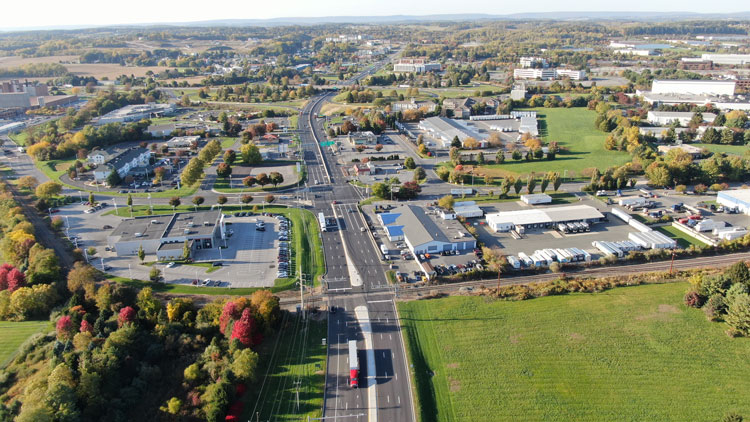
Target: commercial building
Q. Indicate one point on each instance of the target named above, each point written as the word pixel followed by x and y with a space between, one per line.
pixel 32 88
pixel 529 125
pixel 527 62
pixel 739 198
pixel 693 87
pixel 635 52
pixel 536 199
pixel 136 112
pixel 361 169
pixel 168 128
pixel 445 129
pixel 543 74
pixel 463 209
pixel 425 233
pixel 362 138
pixel 518 92
pixel 165 235
pixel 121 160
pixel 694 63
pixel 682 117
pixel 547 74
pixel 461 108
pixel 412 104
pixel 724 102
pixel 727 59
pixel 542 217
pixel 415 66
pixel 692 150
pixel 182 141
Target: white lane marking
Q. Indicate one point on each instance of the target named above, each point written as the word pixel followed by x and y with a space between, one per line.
pixel 377 301
pixel 363 317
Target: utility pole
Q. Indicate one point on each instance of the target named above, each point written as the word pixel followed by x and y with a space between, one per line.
pixel 296 393
pixel 301 294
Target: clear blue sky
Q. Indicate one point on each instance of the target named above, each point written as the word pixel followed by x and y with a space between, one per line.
pixel 41 13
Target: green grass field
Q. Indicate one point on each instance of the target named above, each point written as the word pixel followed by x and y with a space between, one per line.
pixel 683 239
pixel 285 359
pixel 19 138
pixel 721 148
pixel 627 354
pixel 13 334
pixel 572 128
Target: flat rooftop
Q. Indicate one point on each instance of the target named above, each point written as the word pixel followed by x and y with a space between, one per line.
pixel 156 227
pixel 195 221
pixel 545 215
pixel 739 194
pixel 147 228
pixel 421 227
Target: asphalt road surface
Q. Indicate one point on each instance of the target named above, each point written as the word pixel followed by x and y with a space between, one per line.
pixel 357 282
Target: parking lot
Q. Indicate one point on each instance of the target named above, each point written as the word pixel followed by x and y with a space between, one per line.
pixel 250 258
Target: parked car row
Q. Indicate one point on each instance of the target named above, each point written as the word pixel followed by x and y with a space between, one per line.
pixel 445 270
pixel 284 252
pixel 95 207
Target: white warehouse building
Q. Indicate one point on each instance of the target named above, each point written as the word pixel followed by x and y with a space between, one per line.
pixel 693 87
pixel 425 233
pixel 445 129
pixel 727 59
pixel 542 217
pixel 665 118
pixel 739 198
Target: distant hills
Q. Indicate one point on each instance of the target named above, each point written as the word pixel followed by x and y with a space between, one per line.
pixel 395 19
pixel 391 19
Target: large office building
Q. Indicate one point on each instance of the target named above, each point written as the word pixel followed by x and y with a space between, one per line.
pixel 542 217
pixel 425 233
pixel 548 74
pixel 136 112
pixel 415 66
pixel 445 129
pixel 693 87
pixel 739 198
pixel 165 235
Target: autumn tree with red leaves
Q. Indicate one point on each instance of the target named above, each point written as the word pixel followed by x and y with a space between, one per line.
pixel 64 328
pixel 16 279
pixel 86 327
pixel 127 314
pixel 245 329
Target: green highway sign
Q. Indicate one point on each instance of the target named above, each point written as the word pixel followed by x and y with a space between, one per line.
pixel 326 143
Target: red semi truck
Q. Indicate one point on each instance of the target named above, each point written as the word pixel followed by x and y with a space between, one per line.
pixel 353 364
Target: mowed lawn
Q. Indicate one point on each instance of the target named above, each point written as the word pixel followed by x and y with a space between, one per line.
pixel 628 354
pixel 572 128
pixel 727 149
pixel 13 334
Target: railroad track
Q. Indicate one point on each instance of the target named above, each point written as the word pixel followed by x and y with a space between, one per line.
pixel 714 261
